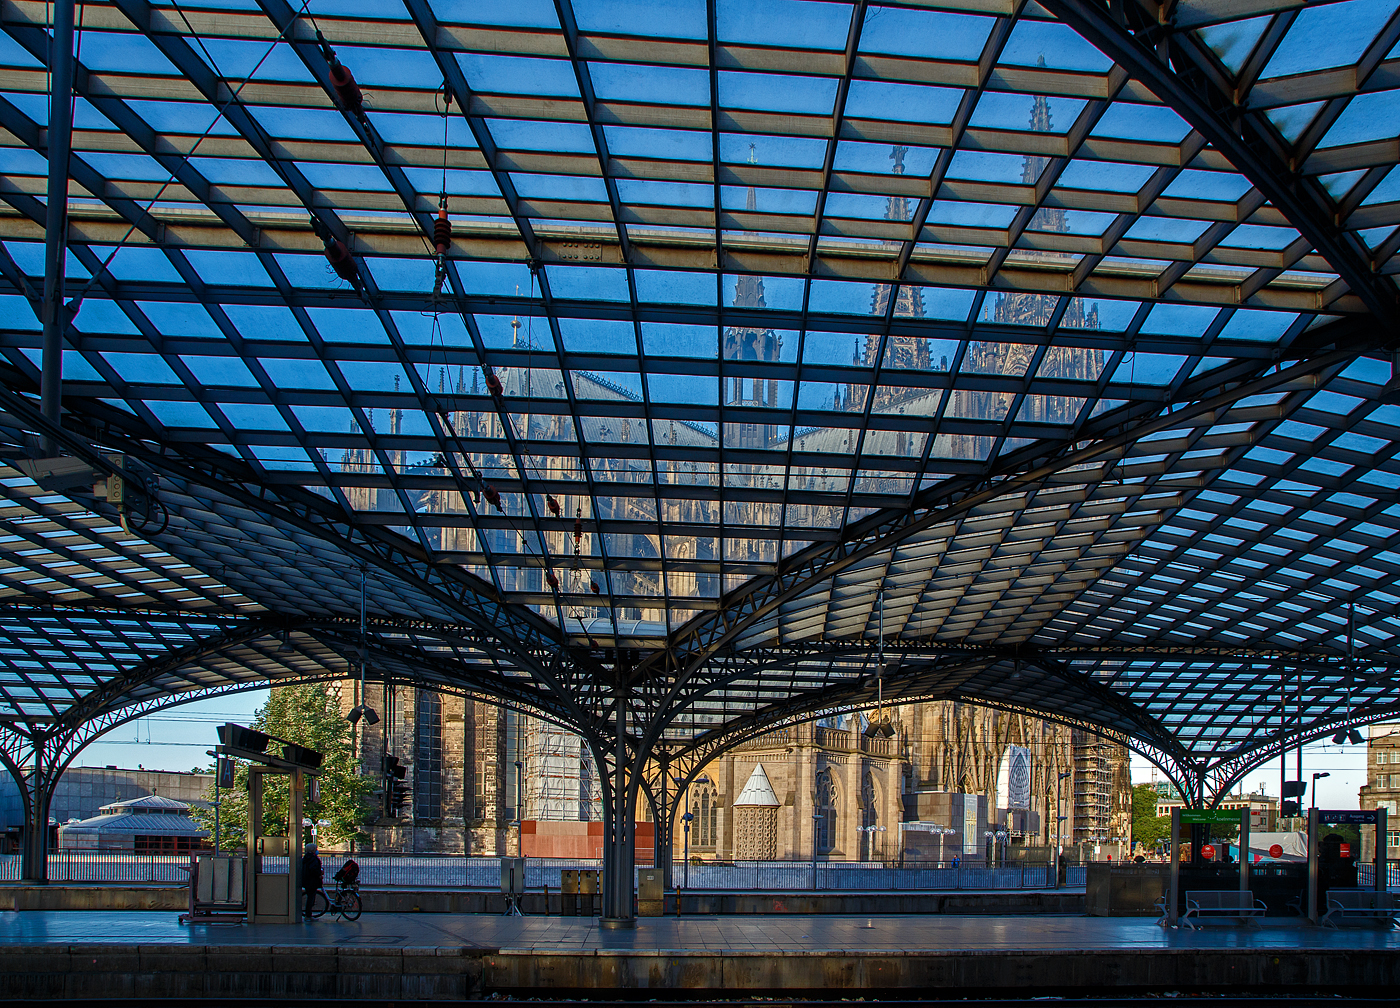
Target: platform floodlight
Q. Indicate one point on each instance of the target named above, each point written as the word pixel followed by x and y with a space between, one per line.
pixel 365 712
pixel 1340 737
pixel 1355 737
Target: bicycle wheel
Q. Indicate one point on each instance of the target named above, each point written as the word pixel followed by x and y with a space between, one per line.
pixel 319 905
pixel 350 906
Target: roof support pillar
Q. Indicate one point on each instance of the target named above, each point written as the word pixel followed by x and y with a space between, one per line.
pixel 36 788
pixel 60 143
pixel 619 827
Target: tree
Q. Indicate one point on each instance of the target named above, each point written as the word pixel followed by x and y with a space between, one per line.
pixel 1149 829
pixel 309 716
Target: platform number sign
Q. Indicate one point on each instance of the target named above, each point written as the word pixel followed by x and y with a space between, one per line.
pixel 1208 852
pixel 226 769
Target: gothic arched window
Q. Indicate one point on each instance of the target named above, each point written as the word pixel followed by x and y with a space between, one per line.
pixel 706 812
pixel 826 811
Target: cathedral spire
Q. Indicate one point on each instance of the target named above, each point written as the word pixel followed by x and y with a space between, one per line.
pixel 1050 218
pixel 751 204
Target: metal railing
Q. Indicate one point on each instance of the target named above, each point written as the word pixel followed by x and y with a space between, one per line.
pixel 96 866
pixel 454 871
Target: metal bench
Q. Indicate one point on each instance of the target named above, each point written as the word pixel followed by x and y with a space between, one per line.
pixel 1233 903
pixel 1363 903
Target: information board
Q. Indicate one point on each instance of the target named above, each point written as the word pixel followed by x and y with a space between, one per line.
pixel 1349 817
pixel 1196 816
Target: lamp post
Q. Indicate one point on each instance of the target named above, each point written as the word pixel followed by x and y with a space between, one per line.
pixel 218 800
pixel 816 819
pixel 519 808
pixel 1059 812
pixel 685 820
pixel 1315 778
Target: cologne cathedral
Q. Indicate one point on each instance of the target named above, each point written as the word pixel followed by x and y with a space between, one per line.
pixel 952 778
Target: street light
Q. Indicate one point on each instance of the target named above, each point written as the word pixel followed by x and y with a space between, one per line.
pixel 686 820
pixel 1316 776
pixel 519 808
pixel 1059 817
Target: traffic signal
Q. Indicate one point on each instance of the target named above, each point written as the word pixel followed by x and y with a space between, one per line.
pixel 398 798
pixel 1290 809
pixel 395 790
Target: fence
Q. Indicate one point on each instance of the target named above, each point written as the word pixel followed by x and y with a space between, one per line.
pixel 453 871
pixel 448 871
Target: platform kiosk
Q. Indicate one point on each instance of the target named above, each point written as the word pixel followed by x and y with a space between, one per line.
pixel 1332 870
pixel 1207 868
pixel 274 896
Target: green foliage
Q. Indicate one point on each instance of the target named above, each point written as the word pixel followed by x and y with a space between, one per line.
pixel 308 716
pixel 1149 829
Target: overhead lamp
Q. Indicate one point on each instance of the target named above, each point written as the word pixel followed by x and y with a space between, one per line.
pixel 364 711
pixel 301 755
pixel 886 729
pixel 1347 735
pixel 237 736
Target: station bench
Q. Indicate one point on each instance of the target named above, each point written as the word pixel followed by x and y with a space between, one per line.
pixel 1363 903
pixel 1205 903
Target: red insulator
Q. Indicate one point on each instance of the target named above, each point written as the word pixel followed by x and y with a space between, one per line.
pixel 553 505
pixel 442 231
pixel 594 586
pixel 578 529
pixel 346 89
pixel 553 581
pixel 493 384
pixel 492 497
pixel 338 255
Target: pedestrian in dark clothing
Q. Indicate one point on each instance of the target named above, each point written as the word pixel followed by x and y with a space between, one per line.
pixel 312 875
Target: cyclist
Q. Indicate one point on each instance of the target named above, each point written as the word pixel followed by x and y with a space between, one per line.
pixel 346 900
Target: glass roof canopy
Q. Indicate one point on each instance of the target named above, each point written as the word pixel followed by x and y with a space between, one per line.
pixel 761 326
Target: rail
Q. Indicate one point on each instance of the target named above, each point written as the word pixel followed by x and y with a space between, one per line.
pixel 454 871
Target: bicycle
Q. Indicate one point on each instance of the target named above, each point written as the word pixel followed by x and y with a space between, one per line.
pixel 345 903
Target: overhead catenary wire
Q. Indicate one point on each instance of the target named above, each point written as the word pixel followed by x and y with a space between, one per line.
pixel 75 304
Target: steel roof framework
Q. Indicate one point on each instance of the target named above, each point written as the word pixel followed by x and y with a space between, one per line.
pixel 1186 547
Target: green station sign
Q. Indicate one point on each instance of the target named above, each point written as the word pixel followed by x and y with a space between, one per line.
pixel 1193 816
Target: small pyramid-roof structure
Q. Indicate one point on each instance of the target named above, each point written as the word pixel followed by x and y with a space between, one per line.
pixel 151 804
pixel 758 791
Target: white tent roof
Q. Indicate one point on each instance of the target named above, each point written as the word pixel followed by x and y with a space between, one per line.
pixel 758 791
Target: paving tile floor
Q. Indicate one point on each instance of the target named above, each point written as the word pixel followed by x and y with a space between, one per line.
pixel 709 933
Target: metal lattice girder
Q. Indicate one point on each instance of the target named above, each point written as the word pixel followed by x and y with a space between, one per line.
pixel 812 316
pixel 1242 139
pixel 1027 470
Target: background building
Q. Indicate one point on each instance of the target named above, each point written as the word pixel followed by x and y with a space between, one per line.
pixel 82 792
pixel 149 825
pixel 1382 787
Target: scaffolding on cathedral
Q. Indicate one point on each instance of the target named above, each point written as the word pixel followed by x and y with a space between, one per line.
pixel 561 778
